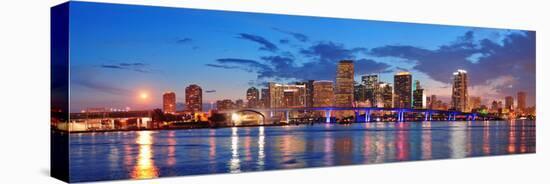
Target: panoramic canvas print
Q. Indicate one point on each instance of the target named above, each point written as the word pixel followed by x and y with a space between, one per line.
pixel 144 92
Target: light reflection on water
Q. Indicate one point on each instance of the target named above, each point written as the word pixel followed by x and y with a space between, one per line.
pixel 150 154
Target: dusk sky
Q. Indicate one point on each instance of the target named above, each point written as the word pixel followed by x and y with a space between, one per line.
pixel 118 52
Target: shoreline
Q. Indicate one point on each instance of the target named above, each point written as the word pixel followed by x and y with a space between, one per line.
pixel 221 127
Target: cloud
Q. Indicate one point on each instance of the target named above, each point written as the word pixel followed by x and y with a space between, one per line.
pixel 282 67
pixel 330 52
pixel 265 44
pixel 298 36
pixel 137 67
pixel 184 40
pixel 103 87
pixel 221 66
pixel 484 59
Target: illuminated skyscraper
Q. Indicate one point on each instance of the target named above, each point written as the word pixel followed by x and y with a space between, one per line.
pixel 323 94
pixel 287 95
pixel 265 98
pixel 522 96
pixel 309 92
pixel 459 97
pixel 252 97
pixel 193 98
pixel 344 84
pixel 386 92
pixel 371 87
pixel 474 103
pixel 509 103
pixel 169 102
pixel 225 104
pixel 419 98
pixel 402 90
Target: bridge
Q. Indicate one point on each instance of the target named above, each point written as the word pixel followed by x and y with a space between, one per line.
pixel 400 113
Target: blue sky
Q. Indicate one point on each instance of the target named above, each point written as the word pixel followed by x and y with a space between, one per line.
pixel 120 51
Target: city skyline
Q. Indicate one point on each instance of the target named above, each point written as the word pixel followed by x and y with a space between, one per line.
pixel 113 70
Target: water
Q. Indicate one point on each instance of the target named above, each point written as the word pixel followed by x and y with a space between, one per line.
pixel 150 154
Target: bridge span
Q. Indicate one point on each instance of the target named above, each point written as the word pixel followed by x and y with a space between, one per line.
pixel 399 113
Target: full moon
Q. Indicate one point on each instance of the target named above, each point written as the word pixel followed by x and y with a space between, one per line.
pixel 143 95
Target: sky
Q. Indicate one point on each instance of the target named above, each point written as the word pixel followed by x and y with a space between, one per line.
pixel 120 52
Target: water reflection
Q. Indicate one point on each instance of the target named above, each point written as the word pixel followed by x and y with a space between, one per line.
pixel 234 163
pixel 426 140
pixel 458 140
pixel 145 165
pixel 261 144
pixel 149 154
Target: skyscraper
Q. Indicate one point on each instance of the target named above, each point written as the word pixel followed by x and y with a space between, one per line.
pixel 169 102
pixel 522 96
pixel 344 84
pixel 371 87
pixel 225 104
pixel 386 92
pixel 419 99
pixel 265 98
pixel 287 95
pixel 509 103
pixel 359 93
pixel 309 91
pixel 252 97
pixel 323 93
pixel 459 97
pixel 474 103
pixel 193 98
pixel 402 90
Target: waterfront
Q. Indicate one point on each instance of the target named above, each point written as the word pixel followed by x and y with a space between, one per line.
pixel 150 154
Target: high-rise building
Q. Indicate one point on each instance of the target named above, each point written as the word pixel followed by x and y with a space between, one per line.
pixel 402 90
pixel 509 103
pixel 344 84
pixel 309 91
pixel 433 102
pixel 239 103
pixel 265 98
pixel 253 97
pixel 459 97
pixel 474 103
pixel 169 102
pixel 193 98
pixel 225 104
pixel 359 93
pixel 323 93
pixel 522 97
pixel 386 92
pixel 371 85
pixel 287 95
pixel 419 99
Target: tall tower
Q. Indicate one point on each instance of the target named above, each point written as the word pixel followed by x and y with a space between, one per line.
pixel 402 90
pixel 459 97
pixel 169 102
pixel 344 84
pixel 193 98
pixel 252 97
pixel 419 99
pixel 509 103
pixel 371 85
pixel 522 97
pixel 323 94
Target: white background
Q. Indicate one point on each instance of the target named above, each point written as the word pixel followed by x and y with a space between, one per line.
pixel 24 90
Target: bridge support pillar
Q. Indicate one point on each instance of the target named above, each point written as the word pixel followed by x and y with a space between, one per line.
pixel 327 115
pixel 367 116
pixel 356 115
pixel 287 116
pixel 454 116
pixel 426 114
